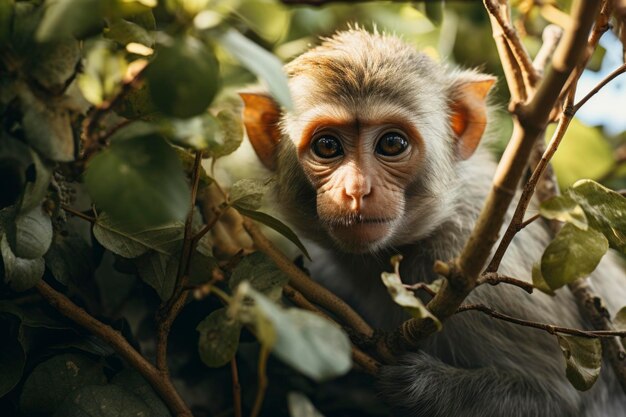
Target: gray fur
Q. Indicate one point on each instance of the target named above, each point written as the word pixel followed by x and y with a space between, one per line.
pixel 477 366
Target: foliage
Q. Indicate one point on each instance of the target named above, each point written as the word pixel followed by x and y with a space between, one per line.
pixel 111 110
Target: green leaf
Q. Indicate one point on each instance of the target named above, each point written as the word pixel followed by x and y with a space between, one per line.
pixel 248 193
pixel 131 381
pixel 53 64
pixel 307 342
pixel 12 361
pixel 262 273
pixel 407 299
pixel 230 135
pixel 261 62
pixel 103 401
pixel 539 281
pixel 69 258
pixel 31 235
pixel 35 316
pixel 201 268
pixel 300 406
pixel 565 209
pixel 605 210
pixel 619 321
pixel 48 126
pixel 573 254
pixel 137 104
pixel 581 140
pixel 275 224
pixel 434 12
pixel 6 19
pixel 53 380
pixel 70 18
pixel 165 239
pixel 20 274
pixel 218 135
pixel 583 358
pixel 184 76
pixel 124 32
pixel 159 271
pixel 103 72
pixel 219 338
pixel 139 182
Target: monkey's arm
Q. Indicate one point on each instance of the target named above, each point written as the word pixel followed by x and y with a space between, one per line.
pixel 423 386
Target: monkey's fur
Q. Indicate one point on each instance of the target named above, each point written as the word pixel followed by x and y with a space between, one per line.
pixel 476 366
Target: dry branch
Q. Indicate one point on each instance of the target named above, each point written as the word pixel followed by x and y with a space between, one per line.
pixel 159 381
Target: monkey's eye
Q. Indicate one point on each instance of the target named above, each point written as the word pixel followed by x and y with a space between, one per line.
pixel 391 144
pixel 327 147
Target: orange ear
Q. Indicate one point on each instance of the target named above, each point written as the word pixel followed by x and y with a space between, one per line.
pixel 469 114
pixel 261 115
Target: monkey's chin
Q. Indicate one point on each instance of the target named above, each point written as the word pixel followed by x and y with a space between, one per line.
pixel 361 237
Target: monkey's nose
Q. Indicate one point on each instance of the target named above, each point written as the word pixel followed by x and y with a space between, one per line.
pixel 356 192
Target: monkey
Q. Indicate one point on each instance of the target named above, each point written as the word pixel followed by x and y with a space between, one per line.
pixel 383 153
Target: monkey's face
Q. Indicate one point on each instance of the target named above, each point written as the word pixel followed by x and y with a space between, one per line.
pixel 360 169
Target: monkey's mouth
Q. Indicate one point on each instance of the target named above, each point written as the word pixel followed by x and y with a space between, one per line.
pixel 359 232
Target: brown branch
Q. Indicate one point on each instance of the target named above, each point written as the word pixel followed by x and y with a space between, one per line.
pixel 529 121
pixel 160 382
pixel 498 12
pixel 516 222
pixel 493 278
pixel 620 70
pixel 236 388
pixel 366 362
pixel 169 311
pixel 550 328
pixel 303 283
pixel 262 381
pixel 420 286
pixel 78 213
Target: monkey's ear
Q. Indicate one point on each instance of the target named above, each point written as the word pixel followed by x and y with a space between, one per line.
pixel 469 114
pixel 261 115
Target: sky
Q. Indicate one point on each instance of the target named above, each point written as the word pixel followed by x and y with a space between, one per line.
pixel 607 107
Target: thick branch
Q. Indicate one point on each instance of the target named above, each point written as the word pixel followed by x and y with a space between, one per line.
pixel 160 382
pixel 529 122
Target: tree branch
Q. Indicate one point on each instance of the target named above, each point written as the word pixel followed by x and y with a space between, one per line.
pixel 159 381
pixel 550 328
pixel 303 283
pixel 169 311
pixel 366 362
pixel 529 122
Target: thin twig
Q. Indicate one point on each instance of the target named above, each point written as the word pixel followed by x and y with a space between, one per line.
pixel 303 283
pixel 78 213
pixel 550 328
pixel 620 70
pixel 366 362
pixel 420 286
pixel 262 381
pixel 493 278
pixel 236 388
pixel 169 311
pixel 161 383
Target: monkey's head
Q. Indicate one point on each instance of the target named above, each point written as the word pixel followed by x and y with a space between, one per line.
pixel 369 155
